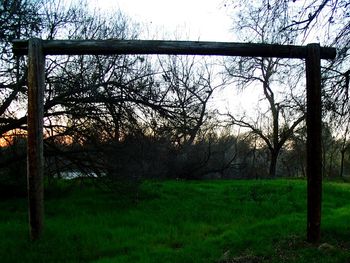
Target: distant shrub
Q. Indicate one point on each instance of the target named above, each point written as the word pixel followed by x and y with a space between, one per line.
pixel 13 182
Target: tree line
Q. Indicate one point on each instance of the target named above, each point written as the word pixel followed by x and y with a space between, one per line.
pixel 133 117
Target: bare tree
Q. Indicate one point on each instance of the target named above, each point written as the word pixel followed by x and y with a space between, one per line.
pixel 18 19
pixel 190 83
pixel 333 19
pixel 278 79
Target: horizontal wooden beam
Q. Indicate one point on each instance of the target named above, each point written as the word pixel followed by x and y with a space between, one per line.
pixel 162 47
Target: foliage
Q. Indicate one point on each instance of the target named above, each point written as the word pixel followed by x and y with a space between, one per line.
pixel 125 118
pixel 13 174
pixel 92 101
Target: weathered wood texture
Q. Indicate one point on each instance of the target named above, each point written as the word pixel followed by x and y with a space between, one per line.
pixel 35 163
pixel 109 47
pixel 313 145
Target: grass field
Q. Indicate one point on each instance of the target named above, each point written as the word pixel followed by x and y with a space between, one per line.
pixel 178 221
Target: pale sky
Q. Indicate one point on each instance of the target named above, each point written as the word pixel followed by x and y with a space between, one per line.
pixel 205 20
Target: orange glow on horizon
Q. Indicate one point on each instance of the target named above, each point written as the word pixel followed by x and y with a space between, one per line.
pixel 8 138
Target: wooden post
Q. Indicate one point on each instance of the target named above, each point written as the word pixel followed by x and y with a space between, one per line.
pixel 35 157
pixel 313 145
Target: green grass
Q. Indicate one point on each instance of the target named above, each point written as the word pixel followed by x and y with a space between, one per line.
pixel 178 221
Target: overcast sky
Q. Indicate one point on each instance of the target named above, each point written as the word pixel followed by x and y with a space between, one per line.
pixel 205 20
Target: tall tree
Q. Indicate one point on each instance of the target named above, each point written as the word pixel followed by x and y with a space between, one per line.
pixel 190 83
pixel 332 18
pixel 284 111
pixel 18 19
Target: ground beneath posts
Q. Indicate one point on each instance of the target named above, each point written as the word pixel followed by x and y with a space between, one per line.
pixel 180 221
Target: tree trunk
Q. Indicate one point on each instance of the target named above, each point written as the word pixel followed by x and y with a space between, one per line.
pixel 342 154
pixel 273 164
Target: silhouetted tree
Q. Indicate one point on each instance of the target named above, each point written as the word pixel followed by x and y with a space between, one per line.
pixel 277 78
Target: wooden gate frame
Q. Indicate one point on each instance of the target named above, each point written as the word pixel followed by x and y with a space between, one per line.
pixel 37 49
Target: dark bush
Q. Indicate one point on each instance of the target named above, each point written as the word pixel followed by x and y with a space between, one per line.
pixel 13 175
